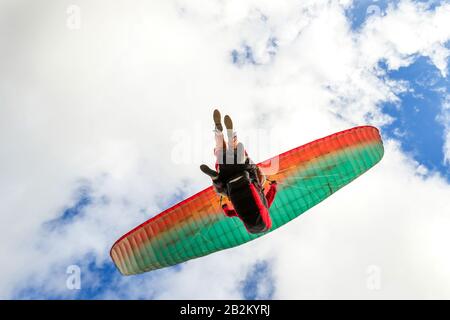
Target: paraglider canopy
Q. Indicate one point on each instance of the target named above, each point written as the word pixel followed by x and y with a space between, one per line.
pixel 196 226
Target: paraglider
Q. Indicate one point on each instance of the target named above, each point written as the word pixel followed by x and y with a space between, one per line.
pixel 197 226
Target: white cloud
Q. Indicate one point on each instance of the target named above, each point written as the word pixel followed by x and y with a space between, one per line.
pixel 407 30
pixel 106 104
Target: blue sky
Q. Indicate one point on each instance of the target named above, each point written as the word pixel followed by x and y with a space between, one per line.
pixel 265 61
pixel 416 119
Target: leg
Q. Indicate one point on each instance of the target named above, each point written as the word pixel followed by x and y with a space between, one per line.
pixel 220 141
pixel 231 135
pixel 240 153
pixel 220 148
pixel 236 150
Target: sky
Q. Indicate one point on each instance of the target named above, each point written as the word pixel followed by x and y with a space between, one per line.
pixel 105 117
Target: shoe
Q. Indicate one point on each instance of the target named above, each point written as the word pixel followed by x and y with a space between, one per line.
pixel 228 122
pixel 208 171
pixel 217 120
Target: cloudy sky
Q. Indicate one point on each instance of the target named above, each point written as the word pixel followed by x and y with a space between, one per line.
pixel 105 116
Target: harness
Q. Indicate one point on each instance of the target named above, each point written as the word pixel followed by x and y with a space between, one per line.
pixel 241 185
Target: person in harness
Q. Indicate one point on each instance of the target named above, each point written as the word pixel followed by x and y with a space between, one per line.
pixel 240 180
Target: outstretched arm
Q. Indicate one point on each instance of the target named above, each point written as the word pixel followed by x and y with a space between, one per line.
pixel 270 196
